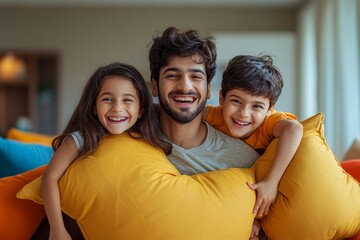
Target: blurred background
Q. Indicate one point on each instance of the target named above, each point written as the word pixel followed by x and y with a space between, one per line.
pixel 49 49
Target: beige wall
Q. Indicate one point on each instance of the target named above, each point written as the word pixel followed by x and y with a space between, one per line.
pixel 88 37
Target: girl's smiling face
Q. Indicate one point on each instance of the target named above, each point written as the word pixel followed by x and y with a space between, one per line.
pixel 117 104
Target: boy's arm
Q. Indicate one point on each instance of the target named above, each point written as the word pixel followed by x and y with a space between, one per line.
pixel 61 160
pixel 289 132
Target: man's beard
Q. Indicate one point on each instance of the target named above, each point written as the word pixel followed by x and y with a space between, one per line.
pixel 185 116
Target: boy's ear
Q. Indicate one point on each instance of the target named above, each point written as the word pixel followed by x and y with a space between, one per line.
pixel 270 109
pixel 154 88
pixel 221 98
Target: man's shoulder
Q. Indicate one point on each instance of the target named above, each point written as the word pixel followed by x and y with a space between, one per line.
pixel 220 136
pixel 230 147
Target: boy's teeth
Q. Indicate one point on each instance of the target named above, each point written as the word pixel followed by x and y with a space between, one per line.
pixel 242 123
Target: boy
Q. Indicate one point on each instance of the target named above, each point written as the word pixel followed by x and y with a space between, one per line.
pixel 249 90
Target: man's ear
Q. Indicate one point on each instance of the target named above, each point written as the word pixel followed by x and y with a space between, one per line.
pixel 208 96
pixel 154 88
pixel 221 98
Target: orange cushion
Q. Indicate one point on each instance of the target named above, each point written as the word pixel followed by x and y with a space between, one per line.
pixel 29 137
pixel 352 167
pixel 19 218
pixel 356 237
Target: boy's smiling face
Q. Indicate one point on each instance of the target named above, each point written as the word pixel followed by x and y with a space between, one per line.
pixel 243 112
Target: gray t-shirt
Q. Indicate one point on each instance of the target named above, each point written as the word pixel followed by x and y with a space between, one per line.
pixel 78 139
pixel 219 151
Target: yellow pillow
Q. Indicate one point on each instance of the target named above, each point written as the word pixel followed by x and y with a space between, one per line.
pixel 29 137
pixel 317 199
pixel 129 190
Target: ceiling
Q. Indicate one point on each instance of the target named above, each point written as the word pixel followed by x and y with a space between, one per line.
pixel 195 3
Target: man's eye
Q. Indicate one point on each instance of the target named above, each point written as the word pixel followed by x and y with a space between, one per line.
pixel 198 77
pixel 171 76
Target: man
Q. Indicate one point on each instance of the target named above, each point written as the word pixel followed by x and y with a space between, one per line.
pixel 182 65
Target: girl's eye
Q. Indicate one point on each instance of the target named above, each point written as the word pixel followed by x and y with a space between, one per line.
pixel 106 100
pixel 128 100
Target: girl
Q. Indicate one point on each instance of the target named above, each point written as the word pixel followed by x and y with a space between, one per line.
pixel 115 99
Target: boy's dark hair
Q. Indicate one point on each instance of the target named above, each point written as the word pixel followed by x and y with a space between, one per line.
pixel 86 122
pixel 173 42
pixel 255 75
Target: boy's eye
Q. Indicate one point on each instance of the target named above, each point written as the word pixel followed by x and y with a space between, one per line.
pixel 235 101
pixel 258 107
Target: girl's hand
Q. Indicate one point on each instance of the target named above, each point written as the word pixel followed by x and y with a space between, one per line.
pixel 266 194
pixel 59 235
pixel 255 230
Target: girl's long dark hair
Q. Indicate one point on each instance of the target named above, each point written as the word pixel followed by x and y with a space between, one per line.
pixel 85 121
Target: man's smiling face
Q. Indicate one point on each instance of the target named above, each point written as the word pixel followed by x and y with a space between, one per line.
pixel 182 88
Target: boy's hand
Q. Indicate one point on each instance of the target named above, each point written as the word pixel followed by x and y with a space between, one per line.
pixel 266 194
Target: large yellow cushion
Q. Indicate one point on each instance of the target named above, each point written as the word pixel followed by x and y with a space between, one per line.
pixel 317 199
pixel 129 190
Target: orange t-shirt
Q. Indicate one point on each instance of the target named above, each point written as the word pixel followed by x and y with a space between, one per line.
pixel 261 137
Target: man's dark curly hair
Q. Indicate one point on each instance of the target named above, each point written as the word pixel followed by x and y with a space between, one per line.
pixel 173 42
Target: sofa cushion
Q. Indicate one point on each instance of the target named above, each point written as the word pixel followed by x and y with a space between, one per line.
pixel 19 218
pixel 317 199
pixel 29 137
pixel 17 157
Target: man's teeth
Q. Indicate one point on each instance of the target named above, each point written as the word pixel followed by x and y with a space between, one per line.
pixel 184 99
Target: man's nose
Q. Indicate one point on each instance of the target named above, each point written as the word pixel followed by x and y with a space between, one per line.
pixel 185 84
